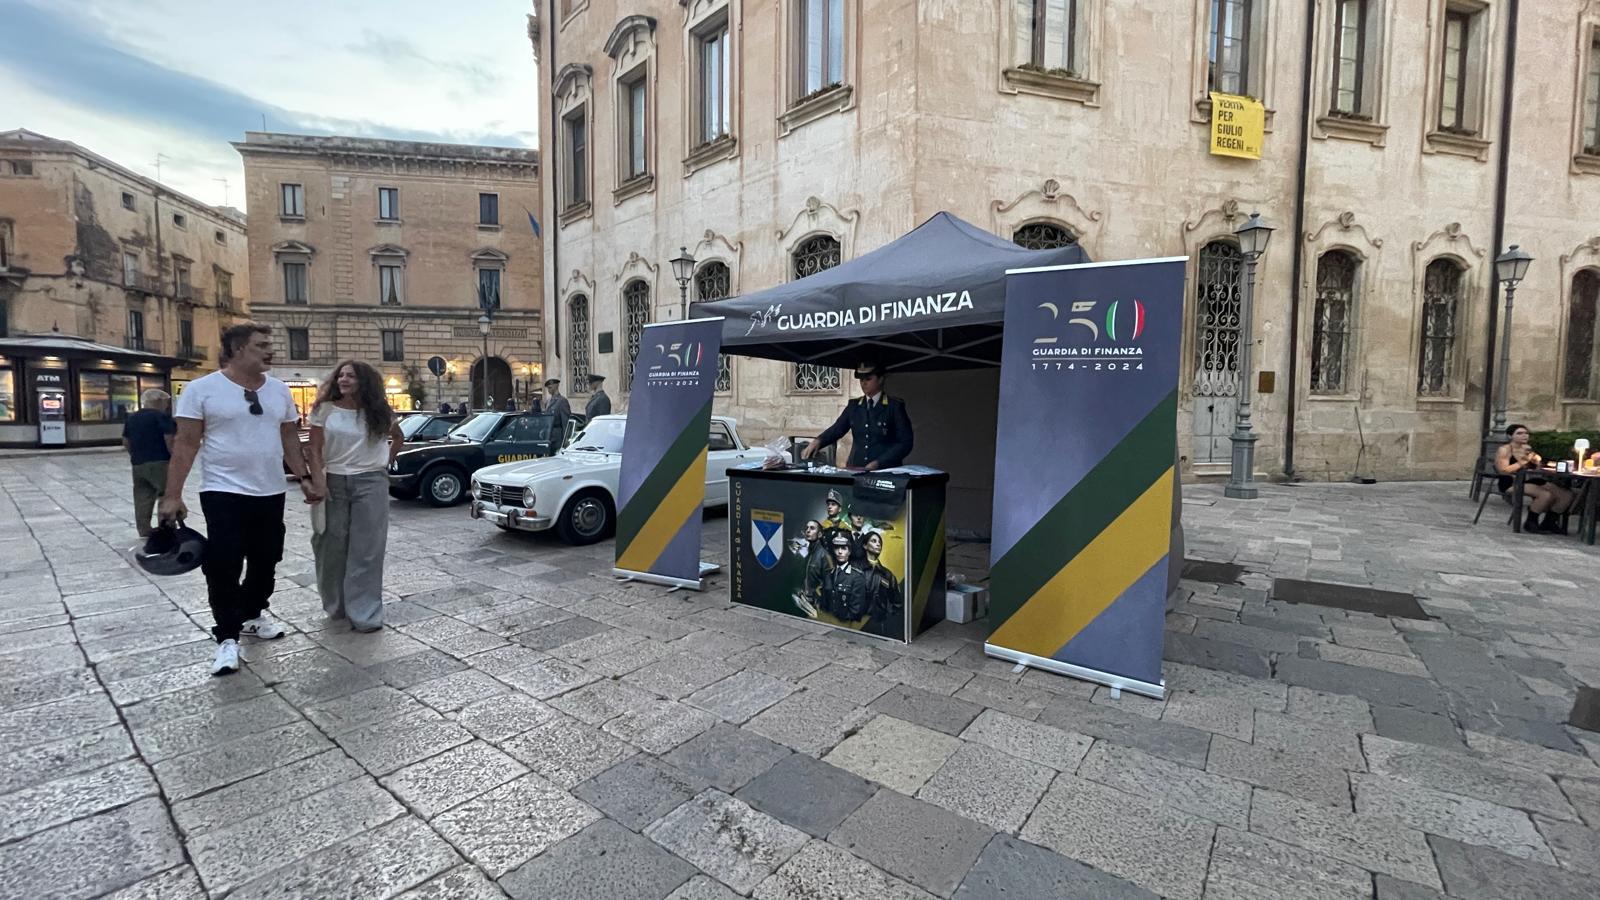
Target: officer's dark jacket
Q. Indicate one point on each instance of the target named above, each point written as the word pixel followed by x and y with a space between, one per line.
pixel 599 405
pixel 881 434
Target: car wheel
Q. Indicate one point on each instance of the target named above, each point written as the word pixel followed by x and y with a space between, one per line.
pixel 443 486
pixel 586 518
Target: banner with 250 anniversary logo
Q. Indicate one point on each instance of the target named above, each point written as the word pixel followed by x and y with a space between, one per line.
pixel 1089 382
pixel 663 478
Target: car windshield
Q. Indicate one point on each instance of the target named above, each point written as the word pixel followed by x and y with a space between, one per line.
pixel 411 424
pixel 601 434
pixel 476 428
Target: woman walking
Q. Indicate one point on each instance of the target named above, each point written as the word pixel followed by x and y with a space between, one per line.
pixel 354 437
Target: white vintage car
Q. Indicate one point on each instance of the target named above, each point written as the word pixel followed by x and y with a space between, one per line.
pixel 575 491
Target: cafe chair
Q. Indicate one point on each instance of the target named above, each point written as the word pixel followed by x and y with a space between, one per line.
pixel 1503 495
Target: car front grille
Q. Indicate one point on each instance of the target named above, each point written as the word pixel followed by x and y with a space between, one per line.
pixel 499 494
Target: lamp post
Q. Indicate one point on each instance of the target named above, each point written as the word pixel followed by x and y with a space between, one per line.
pixel 1509 269
pixel 683 270
pixel 1253 236
pixel 484 323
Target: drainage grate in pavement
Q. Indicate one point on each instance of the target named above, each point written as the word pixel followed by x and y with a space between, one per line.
pixel 1348 597
pixel 1211 572
pixel 1586 710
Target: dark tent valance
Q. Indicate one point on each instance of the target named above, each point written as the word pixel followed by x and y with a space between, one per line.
pixel 932 299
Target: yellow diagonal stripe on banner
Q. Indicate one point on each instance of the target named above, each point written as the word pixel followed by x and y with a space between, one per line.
pixel 1090 581
pixel 664 523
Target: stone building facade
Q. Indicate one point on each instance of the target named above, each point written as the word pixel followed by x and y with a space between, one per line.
pixel 89 248
pixel 772 139
pixel 390 252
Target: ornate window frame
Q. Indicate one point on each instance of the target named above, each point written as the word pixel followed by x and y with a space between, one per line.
pixel 1483 70
pixel 1047 203
pixel 1217 223
pixel 1584 256
pixel 291 252
pixel 490 258
pixel 632 48
pixel 1584 162
pixel 1449 242
pixel 574 93
pixel 389 255
pixel 700 17
pixel 579 283
pixel 1340 233
pixel 578 377
pixel 1082 86
pixel 1263 59
pixel 1370 126
pixel 799 108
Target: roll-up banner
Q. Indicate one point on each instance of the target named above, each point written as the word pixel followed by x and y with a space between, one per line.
pixel 663 479
pixel 1084 470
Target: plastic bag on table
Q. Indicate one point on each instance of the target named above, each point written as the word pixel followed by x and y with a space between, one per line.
pixel 777 453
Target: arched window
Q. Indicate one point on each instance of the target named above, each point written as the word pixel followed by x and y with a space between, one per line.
pixel 1333 322
pixel 1579 382
pixel 636 315
pixel 1217 320
pixel 1043 236
pixel 1441 307
pixel 578 347
pixel 713 281
pixel 815 254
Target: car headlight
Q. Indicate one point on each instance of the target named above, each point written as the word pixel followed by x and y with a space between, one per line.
pixel 527 497
pixel 474 485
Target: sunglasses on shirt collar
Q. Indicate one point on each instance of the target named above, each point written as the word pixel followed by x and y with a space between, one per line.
pixel 255 402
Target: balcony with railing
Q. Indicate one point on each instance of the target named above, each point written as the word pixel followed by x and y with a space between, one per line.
pixel 226 301
pixel 185 292
pixel 139 282
pixel 141 343
pixel 191 352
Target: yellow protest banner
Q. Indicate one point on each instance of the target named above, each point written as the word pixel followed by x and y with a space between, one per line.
pixel 1237 126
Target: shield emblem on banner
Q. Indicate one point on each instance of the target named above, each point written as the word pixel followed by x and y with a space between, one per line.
pixel 766 536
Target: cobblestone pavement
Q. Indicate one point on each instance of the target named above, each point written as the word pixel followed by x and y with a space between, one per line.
pixel 529 727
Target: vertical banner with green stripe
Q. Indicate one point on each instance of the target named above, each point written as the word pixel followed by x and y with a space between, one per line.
pixel 1083 469
pixel 663 479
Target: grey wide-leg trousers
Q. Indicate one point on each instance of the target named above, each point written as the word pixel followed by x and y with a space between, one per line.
pixel 350 549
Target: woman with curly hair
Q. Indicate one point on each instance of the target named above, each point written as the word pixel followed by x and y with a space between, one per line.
pixel 354 437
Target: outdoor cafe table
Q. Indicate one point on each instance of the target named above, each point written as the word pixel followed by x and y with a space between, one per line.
pixel 1585 484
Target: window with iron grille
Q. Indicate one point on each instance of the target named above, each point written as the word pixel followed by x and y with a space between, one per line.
pixel 578 338
pixel 1216 365
pixel 186 336
pixel 713 281
pixel 1332 323
pixel 1047 34
pixel 1579 382
pixel 135 330
pixel 299 343
pixel 815 254
pixel 1230 46
pixel 1043 236
pixel 636 315
pixel 1441 306
pixel 394 345
pixel 821 43
pixel 1350 57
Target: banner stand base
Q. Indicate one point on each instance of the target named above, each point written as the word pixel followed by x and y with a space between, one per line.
pixel 675 584
pixel 1115 682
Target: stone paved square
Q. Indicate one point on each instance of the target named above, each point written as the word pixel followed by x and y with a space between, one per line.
pixel 1302 751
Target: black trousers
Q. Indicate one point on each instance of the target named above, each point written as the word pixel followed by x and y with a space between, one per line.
pixel 244 535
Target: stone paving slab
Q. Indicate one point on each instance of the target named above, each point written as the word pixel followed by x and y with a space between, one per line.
pixel 914 841
pixel 727 839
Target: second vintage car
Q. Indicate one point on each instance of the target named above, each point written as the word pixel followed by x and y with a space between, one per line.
pixel 439 471
pixel 575 491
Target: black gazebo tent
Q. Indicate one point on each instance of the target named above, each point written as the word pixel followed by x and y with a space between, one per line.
pixel 933 299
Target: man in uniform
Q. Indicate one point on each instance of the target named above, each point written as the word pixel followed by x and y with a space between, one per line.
pixel 557 406
pixel 599 404
pixel 844 587
pixel 836 518
pixel 879 426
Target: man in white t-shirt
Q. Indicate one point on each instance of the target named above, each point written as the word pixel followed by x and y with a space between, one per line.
pixel 243 426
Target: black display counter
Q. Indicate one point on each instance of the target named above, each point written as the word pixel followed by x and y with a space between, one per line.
pixel 861 551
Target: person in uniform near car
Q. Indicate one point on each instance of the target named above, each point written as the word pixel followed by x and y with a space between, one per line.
pixel 599 404
pixel 561 411
pixel 879 426
pixel 885 604
pixel 844 587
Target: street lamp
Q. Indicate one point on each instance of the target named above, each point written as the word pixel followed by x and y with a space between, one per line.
pixel 683 270
pixel 1509 268
pixel 484 323
pixel 1253 236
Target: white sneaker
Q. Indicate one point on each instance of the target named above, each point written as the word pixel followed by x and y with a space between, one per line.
pixel 263 627
pixel 227 661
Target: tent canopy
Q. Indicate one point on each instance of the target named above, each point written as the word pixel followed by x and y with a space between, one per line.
pixel 933 299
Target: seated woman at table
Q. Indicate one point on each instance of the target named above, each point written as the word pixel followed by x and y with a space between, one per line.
pixel 1544 498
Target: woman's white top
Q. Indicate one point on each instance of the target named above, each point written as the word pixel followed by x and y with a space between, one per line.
pixel 347 447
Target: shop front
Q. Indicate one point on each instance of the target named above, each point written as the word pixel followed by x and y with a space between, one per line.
pixel 61 391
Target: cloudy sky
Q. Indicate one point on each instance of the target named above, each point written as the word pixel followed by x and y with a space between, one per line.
pixel 182 78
